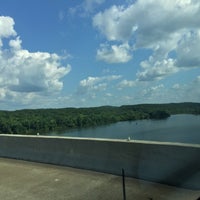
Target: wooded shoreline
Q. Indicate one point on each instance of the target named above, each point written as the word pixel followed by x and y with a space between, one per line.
pixel 32 121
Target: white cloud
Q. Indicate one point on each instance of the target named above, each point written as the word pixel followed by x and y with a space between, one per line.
pixel 153 89
pixel 188 50
pixel 7 27
pixel 25 74
pixel 187 92
pixel 85 8
pixel 90 81
pixel 161 18
pixel 192 91
pixel 156 70
pixel 15 44
pixel 31 72
pixel 92 84
pixel 126 83
pixel 163 26
pixel 112 77
pixel 114 53
pixel 144 92
pixel 89 5
pixel 2 93
pixel 108 23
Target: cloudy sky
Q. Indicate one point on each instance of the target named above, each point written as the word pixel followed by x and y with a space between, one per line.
pixel 75 53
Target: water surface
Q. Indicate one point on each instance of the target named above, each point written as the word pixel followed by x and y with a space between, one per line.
pixel 177 128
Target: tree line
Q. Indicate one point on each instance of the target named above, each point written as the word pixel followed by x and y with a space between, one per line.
pixel 31 121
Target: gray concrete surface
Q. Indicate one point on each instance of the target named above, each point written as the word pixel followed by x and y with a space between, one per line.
pixel 22 180
pixel 169 163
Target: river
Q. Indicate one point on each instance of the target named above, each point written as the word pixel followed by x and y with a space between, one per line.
pixel 183 128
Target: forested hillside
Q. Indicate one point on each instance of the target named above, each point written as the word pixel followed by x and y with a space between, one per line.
pixel 48 120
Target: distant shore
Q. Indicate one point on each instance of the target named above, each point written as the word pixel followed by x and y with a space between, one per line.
pixel 33 121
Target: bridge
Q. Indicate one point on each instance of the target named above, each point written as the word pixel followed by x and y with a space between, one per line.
pixel 173 164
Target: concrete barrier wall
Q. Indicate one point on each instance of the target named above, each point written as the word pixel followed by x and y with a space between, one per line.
pixel 168 163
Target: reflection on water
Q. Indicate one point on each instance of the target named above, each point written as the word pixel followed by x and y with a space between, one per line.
pixel 177 128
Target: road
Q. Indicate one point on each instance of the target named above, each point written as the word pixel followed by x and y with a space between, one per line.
pixel 23 180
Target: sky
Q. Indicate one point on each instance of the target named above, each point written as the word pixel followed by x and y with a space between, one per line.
pixel 58 53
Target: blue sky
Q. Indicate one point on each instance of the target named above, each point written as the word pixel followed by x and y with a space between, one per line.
pixel 90 53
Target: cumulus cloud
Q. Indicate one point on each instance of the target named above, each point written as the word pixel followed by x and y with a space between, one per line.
pixel 178 92
pixel 92 84
pixel 152 90
pixel 121 23
pixel 7 27
pixel 22 71
pixel 114 53
pixel 108 24
pixel 156 70
pixel 126 83
pixel 163 27
pixel 188 50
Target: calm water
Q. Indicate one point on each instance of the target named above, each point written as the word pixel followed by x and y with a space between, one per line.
pixel 177 128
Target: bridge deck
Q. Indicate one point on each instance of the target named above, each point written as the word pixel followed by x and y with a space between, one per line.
pixel 31 181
